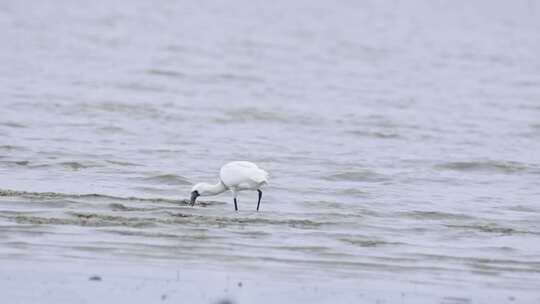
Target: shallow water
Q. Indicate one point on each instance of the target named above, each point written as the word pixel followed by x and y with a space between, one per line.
pixel 402 139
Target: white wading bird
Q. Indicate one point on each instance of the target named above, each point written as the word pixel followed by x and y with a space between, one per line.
pixel 235 176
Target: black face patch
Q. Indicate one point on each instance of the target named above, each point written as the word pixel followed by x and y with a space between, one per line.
pixel 194 196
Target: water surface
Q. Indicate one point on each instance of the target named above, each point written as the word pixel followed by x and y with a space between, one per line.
pixel 402 138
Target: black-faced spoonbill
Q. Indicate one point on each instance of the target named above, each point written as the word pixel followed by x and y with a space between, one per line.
pixel 235 176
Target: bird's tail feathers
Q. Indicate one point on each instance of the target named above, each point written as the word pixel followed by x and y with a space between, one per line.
pixel 262 177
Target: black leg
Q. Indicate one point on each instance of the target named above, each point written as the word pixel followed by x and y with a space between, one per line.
pixel 260 195
pixel 235 205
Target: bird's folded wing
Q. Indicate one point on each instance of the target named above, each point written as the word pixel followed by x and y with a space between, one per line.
pixel 241 172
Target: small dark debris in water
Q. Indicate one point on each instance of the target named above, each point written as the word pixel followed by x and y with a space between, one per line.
pixel 181 215
pixel 240 284
pixel 95 278
pixel 511 298
pixel 74 165
pixel 224 301
pixel 163 297
pixel 202 204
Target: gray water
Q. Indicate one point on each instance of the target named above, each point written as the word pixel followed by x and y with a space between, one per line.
pixel 402 137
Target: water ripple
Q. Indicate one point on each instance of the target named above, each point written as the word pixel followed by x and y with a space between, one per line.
pixel 504 167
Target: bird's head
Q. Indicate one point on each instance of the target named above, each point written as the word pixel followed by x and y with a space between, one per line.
pixel 199 189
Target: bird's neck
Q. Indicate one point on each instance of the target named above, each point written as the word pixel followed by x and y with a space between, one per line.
pixel 215 189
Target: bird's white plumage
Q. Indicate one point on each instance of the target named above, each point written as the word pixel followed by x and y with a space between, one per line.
pixel 243 175
pixel 235 176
